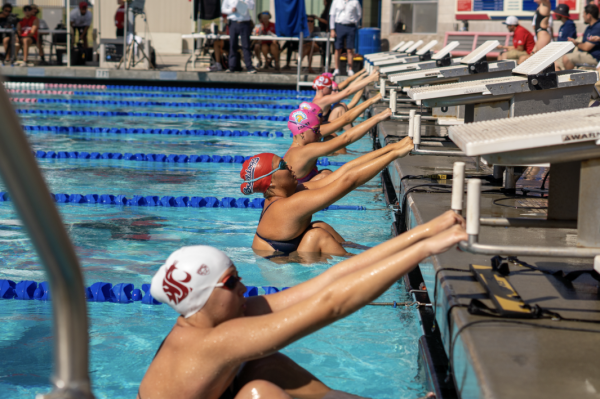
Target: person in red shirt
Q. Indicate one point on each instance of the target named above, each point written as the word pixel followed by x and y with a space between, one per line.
pixel 523 42
pixel 27 29
pixel 120 18
pixel 266 27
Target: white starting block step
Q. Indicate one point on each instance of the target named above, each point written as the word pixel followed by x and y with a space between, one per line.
pixel 401 65
pixel 484 87
pixel 467 67
pixel 543 58
pixel 580 127
pixel 400 50
pixel 406 58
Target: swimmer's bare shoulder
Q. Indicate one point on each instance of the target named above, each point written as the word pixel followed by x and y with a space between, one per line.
pixel 190 364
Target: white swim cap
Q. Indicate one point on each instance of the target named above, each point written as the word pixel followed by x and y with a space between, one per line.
pixel 188 277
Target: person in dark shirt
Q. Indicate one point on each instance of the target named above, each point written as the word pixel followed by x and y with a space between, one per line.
pixel 587 52
pixel 7 21
pixel 324 18
pixel 568 29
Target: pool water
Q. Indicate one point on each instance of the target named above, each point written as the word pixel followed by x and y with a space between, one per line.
pixel 372 353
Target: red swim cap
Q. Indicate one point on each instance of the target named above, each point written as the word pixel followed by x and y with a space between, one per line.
pixel 255 167
pixel 321 82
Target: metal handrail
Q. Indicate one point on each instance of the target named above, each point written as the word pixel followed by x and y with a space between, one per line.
pixel 31 198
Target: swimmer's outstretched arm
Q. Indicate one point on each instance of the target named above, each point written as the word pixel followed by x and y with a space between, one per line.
pixel 342 170
pixel 339 96
pixel 356 98
pixel 313 151
pixel 352 78
pixel 260 336
pixel 308 202
pixel 281 300
pixel 348 117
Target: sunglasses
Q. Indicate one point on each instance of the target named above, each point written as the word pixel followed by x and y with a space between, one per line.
pixel 229 282
pixel 311 21
pixel 282 166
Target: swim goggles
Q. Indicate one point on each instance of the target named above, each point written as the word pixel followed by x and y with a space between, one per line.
pixel 229 282
pixel 282 166
pixel 316 130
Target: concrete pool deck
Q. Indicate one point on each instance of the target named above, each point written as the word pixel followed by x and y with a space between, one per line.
pixel 498 357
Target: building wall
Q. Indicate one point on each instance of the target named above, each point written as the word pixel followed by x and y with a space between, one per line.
pixel 162 17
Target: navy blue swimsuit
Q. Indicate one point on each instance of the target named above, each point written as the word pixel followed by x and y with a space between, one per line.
pixel 281 246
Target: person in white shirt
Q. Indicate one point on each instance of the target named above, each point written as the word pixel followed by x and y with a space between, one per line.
pixel 344 18
pixel 81 20
pixel 240 25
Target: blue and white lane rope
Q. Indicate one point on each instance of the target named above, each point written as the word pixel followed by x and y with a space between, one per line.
pixel 171 202
pixel 173 132
pixel 151 115
pixel 123 293
pixel 163 104
pixel 169 158
pixel 196 96
pixel 98 292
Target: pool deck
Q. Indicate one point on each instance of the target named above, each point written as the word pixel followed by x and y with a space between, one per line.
pixel 496 357
pixel 164 76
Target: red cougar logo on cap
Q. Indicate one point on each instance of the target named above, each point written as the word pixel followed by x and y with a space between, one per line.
pixel 174 290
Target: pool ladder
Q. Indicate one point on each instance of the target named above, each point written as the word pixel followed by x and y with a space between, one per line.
pixel 31 198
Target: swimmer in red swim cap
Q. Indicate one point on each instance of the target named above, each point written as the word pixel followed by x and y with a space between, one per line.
pixel 285 224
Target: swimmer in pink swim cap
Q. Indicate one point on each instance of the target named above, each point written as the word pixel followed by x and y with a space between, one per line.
pixel 226 346
pixel 307 146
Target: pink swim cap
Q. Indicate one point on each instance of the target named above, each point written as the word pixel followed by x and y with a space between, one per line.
pixel 328 74
pixel 301 121
pixel 334 86
pixel 312 108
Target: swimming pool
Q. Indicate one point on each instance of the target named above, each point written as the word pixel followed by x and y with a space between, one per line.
pixel 372 353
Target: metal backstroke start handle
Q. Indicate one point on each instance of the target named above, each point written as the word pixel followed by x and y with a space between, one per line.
pixel 31 198
pixel 458 187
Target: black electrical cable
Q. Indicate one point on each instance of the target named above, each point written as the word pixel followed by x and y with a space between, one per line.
pixel 544 181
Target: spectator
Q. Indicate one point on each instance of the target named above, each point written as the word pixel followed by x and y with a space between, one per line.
pixel 81 20
pixel 27 30
pixel 587 52
pixel 240 25
pixel 523 42
pixel 43 25
pixel 324 18
pixel 344 18
pixel 542 27
pixel 120 18
pixel 266 27
pixel 568 29
pixel 221 48
pixel 8 20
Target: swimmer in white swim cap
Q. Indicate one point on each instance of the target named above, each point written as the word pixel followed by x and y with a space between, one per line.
pixel 226 347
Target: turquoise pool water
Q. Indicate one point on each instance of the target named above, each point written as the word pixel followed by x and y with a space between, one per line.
pixel 372 353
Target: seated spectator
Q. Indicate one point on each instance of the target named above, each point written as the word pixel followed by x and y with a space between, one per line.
pixel 81 20
pixel 27 30
pixel 568 29
pixel 43 25
pixel 266 27
pixel 8 20
pixel 587 52
pixel 523 42
pixel 221 50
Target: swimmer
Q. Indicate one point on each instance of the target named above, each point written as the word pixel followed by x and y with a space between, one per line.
pixel 224 346
pixel 285 225
pixel 324 97
pixel 306 147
